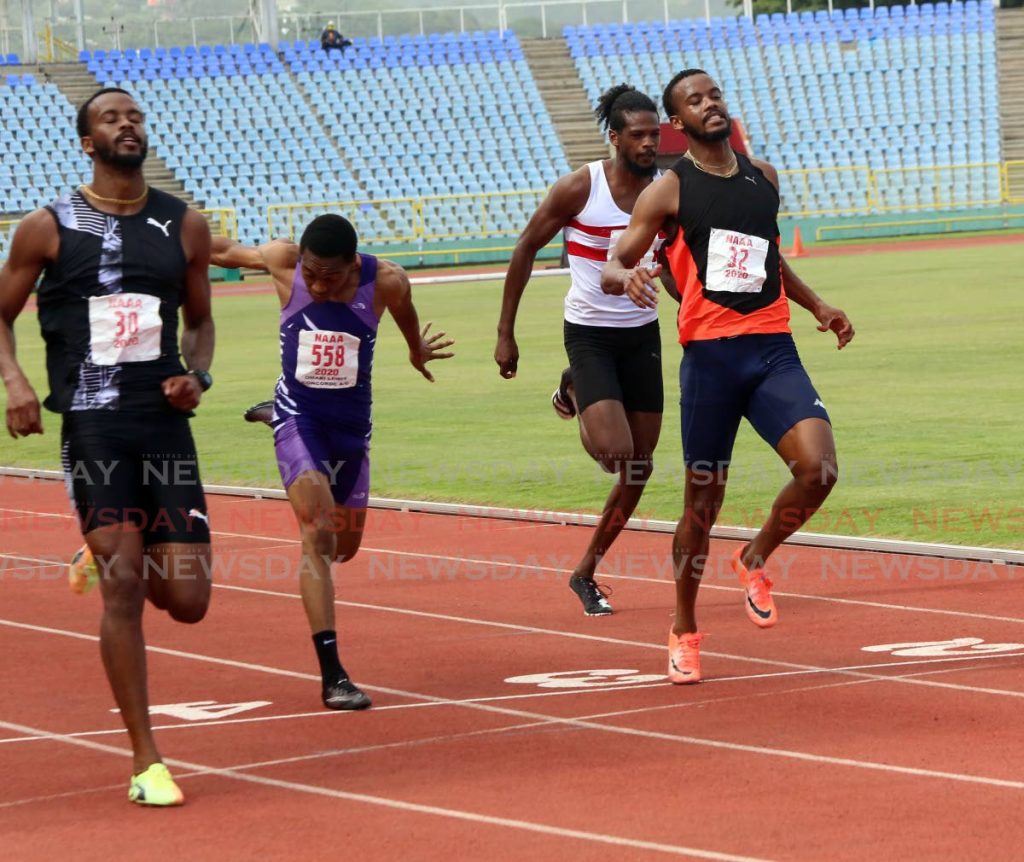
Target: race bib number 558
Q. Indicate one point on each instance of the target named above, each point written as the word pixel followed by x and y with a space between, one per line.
pixel 124 327
pixel 736 262
pixel 327 360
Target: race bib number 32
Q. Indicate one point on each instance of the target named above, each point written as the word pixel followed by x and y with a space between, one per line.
pixel 327 360
pixel 124 327
pixel 736 262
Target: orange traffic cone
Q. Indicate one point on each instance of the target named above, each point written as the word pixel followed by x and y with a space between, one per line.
pixel 798 249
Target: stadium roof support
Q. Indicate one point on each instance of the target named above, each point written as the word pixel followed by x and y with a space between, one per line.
pixel 29 49
pixel 264 21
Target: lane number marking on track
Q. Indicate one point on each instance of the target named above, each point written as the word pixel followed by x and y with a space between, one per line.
pixel 953 646
pixel 204 710
pixel 585 678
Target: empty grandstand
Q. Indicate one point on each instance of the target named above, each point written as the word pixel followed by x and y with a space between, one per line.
pixel 441 140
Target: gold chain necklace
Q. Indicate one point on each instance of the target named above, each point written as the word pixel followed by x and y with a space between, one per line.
pixel 116 201
pixel 730 171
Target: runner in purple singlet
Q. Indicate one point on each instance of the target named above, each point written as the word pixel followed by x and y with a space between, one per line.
pixel 332 299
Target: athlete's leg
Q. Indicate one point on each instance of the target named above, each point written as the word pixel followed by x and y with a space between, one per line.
pixel 311 500
pixel 118 553
pixel 810 451
pixel 787 412
pixel 177 578
pixel 703 495
pixel 634 471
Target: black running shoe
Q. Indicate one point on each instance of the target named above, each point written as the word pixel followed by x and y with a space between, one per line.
pixel 592 595
pixel 262 412
pixel 560 398
pixel 344 694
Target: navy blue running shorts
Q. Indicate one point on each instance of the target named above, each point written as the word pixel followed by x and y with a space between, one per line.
pixel 722 380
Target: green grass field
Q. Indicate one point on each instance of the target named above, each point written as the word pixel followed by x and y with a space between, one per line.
pixel 927 402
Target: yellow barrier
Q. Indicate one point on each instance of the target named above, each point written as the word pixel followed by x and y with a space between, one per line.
pixel 412 219
pixel 934 187
pixel 1004 220
pixel 799 181
pixel 223 221
pixel 1013 182
pixel 902 189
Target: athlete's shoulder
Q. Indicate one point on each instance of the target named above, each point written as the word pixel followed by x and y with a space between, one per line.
pixel 571 191
pixel 38 226
pixel 283 253
pixel 767 170
pixel 158 197
pixel 391 275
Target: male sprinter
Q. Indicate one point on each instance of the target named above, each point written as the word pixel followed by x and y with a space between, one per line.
pixel 613 382
pixel 118 261
pixel 718 210
pixel 332 299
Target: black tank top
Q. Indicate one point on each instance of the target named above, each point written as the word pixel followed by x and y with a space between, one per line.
pixel 108 306
pixel 745 203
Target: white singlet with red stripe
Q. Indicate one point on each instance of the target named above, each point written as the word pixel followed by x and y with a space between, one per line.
pixel 589 240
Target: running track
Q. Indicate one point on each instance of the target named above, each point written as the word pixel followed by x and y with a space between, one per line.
pixel 801 745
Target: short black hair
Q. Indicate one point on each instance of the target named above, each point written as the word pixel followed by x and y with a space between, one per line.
pixel 330 236
pixel 666 97
pixel 82 121
pixel 618 101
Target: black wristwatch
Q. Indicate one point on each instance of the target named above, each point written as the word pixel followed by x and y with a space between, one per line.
pixel 204 378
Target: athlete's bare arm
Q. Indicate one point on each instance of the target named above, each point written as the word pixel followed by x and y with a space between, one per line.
pixel 278 257
pixel 829 317
pixel 566 199
pixel 655 210
pixel 668 280
pixel 183 391
pixel 395 294
pixel 36 242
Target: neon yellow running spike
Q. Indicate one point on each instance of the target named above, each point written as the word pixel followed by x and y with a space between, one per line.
pixel 83 573
pixel 155 787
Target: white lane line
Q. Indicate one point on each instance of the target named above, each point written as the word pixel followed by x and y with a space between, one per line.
pixel 564 571
pixel 584 725
pixel 796 668
pixel 665 581
pixel 411 807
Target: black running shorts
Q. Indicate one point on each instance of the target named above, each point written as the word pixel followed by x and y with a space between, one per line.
pixel 618 363
pixel 136 468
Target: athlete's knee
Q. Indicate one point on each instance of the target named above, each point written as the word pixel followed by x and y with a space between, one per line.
pixel 191 611
pixel 124 590
pixel 318 538
pixel 817 474
pixel 637 470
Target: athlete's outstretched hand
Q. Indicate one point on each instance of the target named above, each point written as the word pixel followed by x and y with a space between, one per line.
pixel 506 354
pixel 835 319
pixel 641 287
pixel 182 392
pixel 429 350
pixel 22 410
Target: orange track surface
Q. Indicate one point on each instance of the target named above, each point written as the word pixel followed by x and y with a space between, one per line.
pixel 800 745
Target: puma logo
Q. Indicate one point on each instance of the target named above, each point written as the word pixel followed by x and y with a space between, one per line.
pixel 751 180
pixel 162 227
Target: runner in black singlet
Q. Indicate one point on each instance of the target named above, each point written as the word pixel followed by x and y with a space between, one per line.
pixel 119 262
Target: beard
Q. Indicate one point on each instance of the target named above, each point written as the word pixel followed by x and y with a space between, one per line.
pixel 639 170
pixel 110 156
pixel 709 137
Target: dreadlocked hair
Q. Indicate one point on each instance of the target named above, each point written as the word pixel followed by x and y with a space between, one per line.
pixel 618 101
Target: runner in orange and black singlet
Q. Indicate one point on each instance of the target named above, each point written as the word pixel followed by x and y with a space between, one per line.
pixel 719 210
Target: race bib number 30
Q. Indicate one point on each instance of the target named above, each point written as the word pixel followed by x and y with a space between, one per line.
pixel 124 327
pixel 327 360
pixel 736 262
